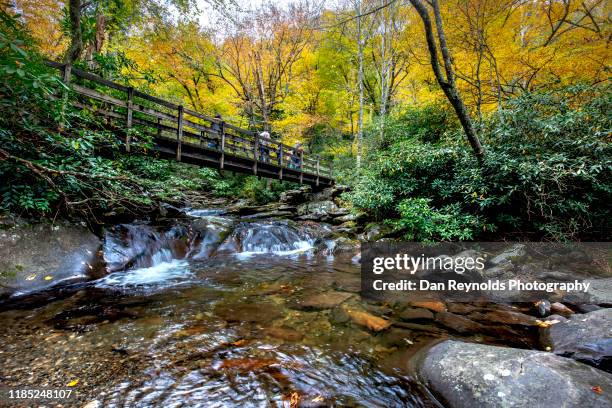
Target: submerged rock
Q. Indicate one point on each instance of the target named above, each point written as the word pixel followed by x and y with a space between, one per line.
pixel 247 312
pixel 475 375
pixel 587 338
pixel 35 257
pixel 321 301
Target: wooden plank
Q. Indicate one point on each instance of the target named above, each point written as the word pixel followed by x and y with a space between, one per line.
pixel 301 166
pixel 222 161
pixel 97 95
pixel 104 112
pixel 255 151
pixel 179 133
pixel 155 99
pixel 198 115
pixel 152 112
pixel 66 71
pixel 98 79
pixel 280 161
pixel 130 101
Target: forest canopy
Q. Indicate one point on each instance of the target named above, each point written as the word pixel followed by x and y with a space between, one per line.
pixel 357 82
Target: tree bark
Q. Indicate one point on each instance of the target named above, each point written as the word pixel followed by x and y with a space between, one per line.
pixel 76 36
pixel 360 84
pixel 447 83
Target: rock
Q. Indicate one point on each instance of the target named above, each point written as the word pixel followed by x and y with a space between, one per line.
pixel 514 252
pixel 208 234
pixel 368 320
pixel 340 244
pixel 600 291
pixel 399 337
pixel 296 196
pixel 330 193
pixel 374 232
pixel 356 217
pixel 339 212
pixel 587 338
pixel 434 306
pixel 586 308
pixel 321 301
pixel 270 214
pixel 462 308
pixel 349 227
pixel 284 334
pixel 247 312
pixel 35 257
pixel 339 315
pixel 415 314
pixel 476 375
pixel 560 308
pixel 317 208
pixel 458 323
pixel 169 211
pixel 419 328
pixel 504 317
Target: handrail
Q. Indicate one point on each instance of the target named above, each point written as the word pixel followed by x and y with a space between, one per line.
pixel 210 133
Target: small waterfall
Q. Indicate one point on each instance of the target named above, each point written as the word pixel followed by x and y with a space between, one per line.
pixel 262 237
pixel 138 255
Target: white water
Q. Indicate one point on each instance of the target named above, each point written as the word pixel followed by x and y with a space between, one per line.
pixel 164 274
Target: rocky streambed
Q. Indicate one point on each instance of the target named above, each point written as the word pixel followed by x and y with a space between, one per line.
pixel 251 306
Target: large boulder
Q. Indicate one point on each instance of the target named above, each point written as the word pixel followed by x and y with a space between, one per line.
pixel 584 337
pixel 475 375
pixel 38 256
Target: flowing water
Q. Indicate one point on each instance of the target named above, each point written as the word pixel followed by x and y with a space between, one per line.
pixel 213 312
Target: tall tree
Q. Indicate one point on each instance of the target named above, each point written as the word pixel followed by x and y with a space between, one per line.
pixel 446 80
pixel 360 46
pixel 76 35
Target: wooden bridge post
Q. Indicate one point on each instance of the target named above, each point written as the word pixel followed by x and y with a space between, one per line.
pixel 255 151
pixel 159 128
pixel 66 70
pixel 222 162
pixel 280 161
pixel 130 107
pixel 318 158
pixel 179 133
pixel 301 166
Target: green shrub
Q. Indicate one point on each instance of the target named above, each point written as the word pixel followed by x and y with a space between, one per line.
pixel 420 222
pixel 546 172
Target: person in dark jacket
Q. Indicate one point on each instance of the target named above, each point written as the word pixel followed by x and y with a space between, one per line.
pixel 216 130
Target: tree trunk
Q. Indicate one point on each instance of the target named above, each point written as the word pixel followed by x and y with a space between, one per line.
pixel 360 83
pixel 446 83
pixel 76 36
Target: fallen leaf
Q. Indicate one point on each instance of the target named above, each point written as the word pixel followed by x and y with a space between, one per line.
pixel 73 383
pixel 597 389
pixel 318 399
pixel 239 343
pixel 48 277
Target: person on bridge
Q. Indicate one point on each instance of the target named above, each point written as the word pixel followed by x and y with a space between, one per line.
pixel 217 129
pixel 296 155
pixel 264 146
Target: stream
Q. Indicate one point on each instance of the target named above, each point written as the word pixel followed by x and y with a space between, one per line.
pixel 216 311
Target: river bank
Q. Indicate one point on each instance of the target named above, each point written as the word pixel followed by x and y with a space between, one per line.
pixel 238 305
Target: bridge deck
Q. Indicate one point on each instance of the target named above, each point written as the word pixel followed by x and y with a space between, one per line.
pixel 188 136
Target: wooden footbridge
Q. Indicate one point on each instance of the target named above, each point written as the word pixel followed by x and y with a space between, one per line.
pixel 189 136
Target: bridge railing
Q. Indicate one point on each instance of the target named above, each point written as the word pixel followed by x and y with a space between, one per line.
pixel 161 119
